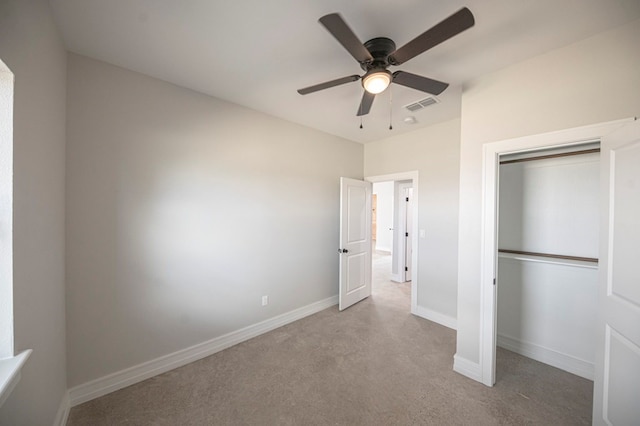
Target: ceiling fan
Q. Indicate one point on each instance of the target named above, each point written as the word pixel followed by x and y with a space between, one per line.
pixel 377 54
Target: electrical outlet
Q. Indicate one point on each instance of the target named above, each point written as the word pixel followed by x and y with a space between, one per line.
pixel 265 300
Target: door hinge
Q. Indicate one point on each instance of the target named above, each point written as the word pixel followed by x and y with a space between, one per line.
pixel 494 281
pixel 406 269
pixel 406 234
pixel 407 199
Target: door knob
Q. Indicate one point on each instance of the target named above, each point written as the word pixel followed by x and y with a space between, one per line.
pixel 343 251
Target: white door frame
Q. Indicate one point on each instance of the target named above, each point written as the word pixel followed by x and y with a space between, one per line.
pixel 413 176
pixel 489 231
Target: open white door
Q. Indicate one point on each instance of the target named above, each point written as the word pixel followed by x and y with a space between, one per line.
pixel 355 241
pixel 617 370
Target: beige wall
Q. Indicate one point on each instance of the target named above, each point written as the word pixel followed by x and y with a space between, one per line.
pixel 31 48
pixel 183 210
pixel 592 81
pixel 434 152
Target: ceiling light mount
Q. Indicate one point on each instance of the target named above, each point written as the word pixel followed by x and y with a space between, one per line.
pixel 376 80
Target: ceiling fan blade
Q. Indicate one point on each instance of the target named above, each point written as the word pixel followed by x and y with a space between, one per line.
pixel 328 84
pixel 341 31
pixel 418 82
pixel 365 104
pixel 453 25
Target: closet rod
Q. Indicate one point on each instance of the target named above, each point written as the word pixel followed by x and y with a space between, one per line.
pixel 554 256
pixel 544 157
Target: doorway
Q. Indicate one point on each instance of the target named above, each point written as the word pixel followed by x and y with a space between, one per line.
pixel 395 251
pixel 392 205
pixel 567 139
pixel 547 266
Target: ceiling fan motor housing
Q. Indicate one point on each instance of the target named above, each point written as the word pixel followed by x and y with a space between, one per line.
pixel 380 48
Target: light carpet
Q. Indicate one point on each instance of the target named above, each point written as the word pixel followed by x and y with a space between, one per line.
pixel 372 364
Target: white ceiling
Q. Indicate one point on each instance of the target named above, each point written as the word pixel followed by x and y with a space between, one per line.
pixel 256 53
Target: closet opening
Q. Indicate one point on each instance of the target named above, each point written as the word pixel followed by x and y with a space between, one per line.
pixel 547 256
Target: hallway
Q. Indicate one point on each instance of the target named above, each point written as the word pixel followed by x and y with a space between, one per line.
pixel 383 290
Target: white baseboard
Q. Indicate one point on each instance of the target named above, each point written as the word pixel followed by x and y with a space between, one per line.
pixel 63 411
pixel 467 368
pixel 434 316
pixel 397 278
pixel 560 360
pixel 121 379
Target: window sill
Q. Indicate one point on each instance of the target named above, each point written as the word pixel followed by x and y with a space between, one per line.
pixel 10 373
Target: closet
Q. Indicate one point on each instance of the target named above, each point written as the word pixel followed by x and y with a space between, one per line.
pixel 548 256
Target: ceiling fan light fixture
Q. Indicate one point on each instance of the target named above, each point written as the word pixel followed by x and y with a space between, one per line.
pixel 376 81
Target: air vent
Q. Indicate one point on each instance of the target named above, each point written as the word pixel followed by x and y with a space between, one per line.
pixel 422 103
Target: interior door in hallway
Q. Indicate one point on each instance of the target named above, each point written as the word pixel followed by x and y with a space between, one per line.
pixel 617 368
pixel 355 241
pixel 408 234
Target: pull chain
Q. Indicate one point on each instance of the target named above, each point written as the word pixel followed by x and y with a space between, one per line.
pixel 390 109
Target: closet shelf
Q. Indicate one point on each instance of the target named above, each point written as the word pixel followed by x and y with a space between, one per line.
pixel 546 157
pixel 551 256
